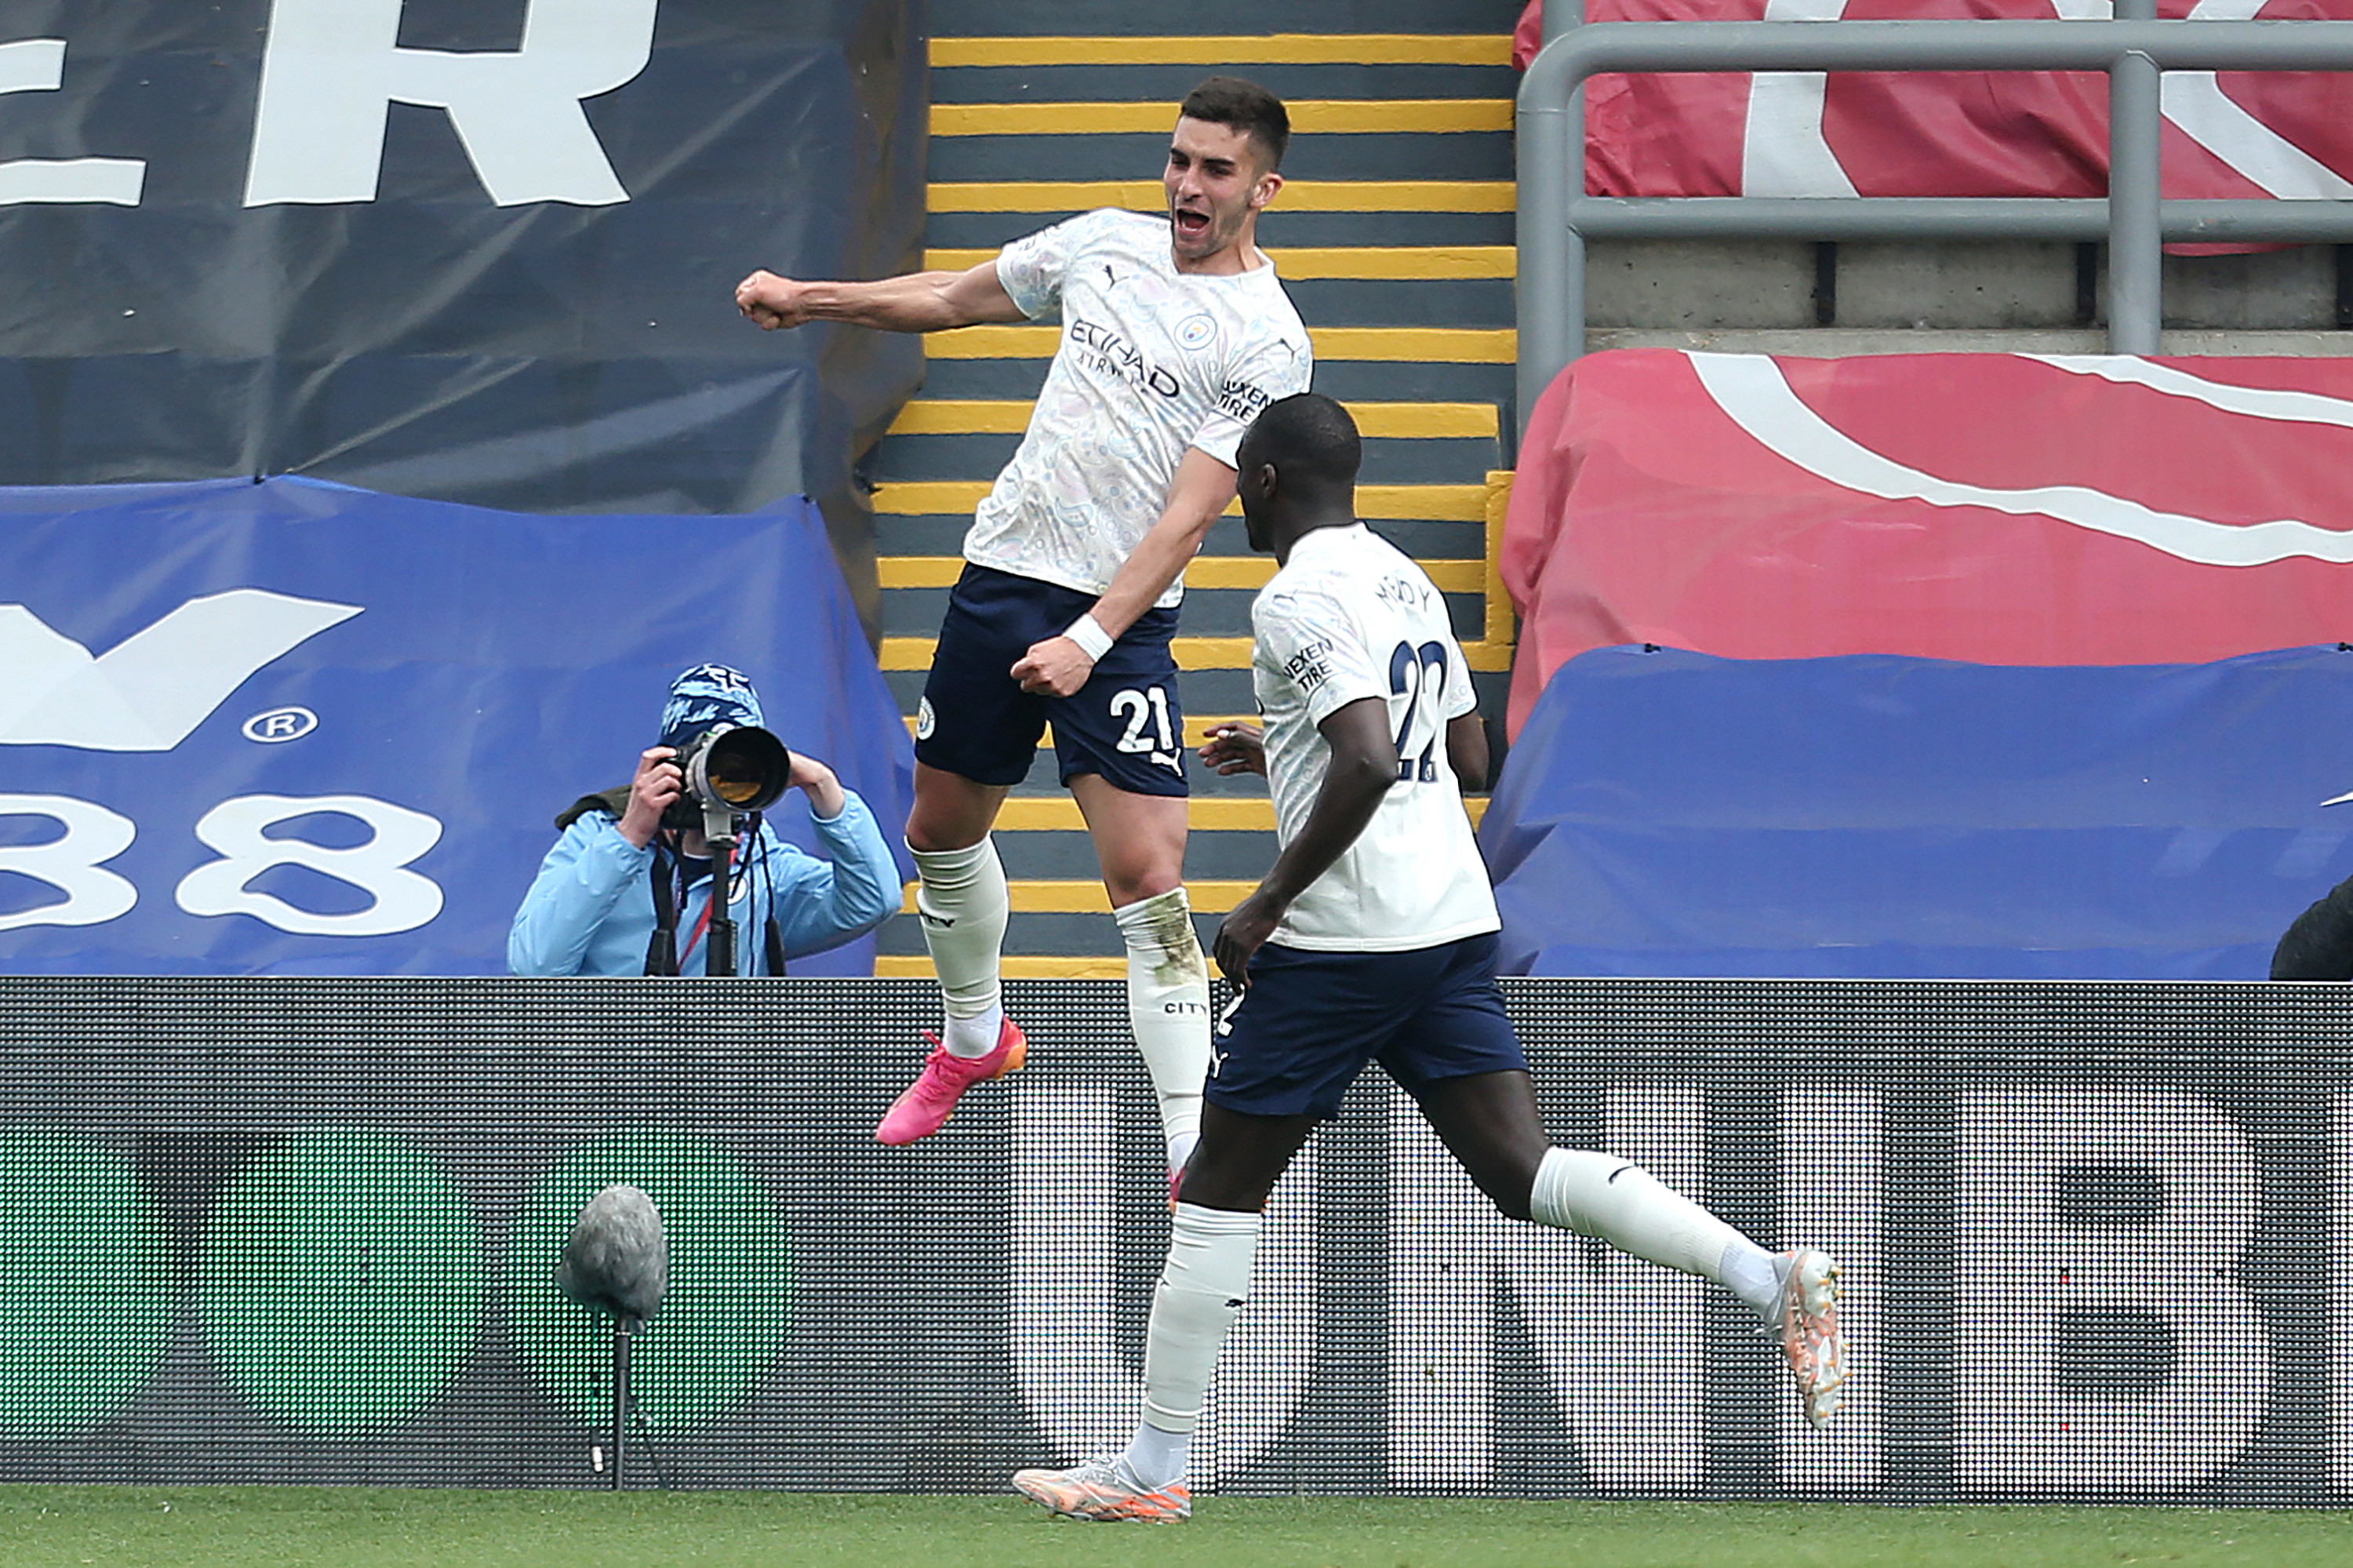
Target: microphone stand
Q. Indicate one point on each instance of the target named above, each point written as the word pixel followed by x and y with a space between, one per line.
pixel 623 1326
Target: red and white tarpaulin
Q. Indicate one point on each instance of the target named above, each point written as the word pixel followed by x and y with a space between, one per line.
pixel 1994 133
pixel 1999 509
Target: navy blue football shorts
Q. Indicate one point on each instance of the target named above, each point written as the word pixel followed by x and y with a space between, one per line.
pixel 1310 1022
pixel 977 722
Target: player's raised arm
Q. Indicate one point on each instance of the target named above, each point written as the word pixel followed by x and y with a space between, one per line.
pixel 1197 496
pixel 913 301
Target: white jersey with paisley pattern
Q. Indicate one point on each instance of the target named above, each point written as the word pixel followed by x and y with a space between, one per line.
pixel 1151 362
pixel 1348 617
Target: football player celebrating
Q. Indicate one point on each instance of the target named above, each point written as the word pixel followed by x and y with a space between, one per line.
pixel 1174 335
pixel 1372 938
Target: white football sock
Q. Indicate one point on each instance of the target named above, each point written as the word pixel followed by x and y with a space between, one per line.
pixel 1748 1272
pixel 1202 1288
pixel 962 902
pixel 1156 1455
pixel 1168 1009
pixel 1624 1204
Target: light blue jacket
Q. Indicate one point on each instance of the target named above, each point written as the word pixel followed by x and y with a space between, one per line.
pixel 590 911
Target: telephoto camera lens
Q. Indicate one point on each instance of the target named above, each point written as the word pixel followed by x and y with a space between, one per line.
pixel 735 768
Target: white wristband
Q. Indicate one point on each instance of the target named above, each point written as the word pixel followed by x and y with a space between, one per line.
pixel 1088 634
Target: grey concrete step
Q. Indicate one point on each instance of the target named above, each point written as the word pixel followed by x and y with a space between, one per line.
pixel 2008 286
pixel 1169 81
pixel 1426 381
pixel 942 533
pixel 1465 156
pixel 1839 343
pixel 905 457
pixel 1385 219
pixel 1276 230
pixel 1218 18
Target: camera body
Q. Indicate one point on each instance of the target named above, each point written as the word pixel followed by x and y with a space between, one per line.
pixel 729 769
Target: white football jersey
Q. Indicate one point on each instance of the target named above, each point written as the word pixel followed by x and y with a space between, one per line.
pixel 1151 361
pixel 1348 617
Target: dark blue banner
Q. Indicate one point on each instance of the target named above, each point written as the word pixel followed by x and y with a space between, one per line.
pixel 479 250
pixel 297 728
pixel 1671 814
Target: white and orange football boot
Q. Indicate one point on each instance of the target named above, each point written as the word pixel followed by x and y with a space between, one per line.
pixel 1808 1323
pixel 1098 1489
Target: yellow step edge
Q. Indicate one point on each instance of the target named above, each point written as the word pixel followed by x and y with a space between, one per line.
pixel 1203 572
pixel 1406 261
pixel 907 653
pixel 911 966
pixel 1399 502
pixel 1197 726
pixel 1298 196
pixel 1059 814
pixel 1409 261
pixel 1315 117
pixel 1500 627
pixel 1411 345
pixel 1204 814
pixel 1424 421
pixel 1041 896
pixel 1281 48
pixel 1492 652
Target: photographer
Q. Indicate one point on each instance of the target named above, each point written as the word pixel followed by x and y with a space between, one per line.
pixel 592 908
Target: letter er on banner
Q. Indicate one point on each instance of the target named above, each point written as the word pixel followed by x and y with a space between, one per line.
pixel 333 67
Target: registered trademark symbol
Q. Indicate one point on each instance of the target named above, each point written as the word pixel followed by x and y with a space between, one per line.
pixel 280 724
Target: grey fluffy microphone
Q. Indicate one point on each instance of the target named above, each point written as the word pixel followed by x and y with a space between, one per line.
pixel 617 1258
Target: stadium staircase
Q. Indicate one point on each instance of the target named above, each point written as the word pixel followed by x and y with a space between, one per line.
pixel 1394 236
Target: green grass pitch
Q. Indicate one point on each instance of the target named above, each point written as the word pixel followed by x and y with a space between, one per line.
pixel 305 1527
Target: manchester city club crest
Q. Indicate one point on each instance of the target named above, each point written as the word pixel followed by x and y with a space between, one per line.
pixel 1197 332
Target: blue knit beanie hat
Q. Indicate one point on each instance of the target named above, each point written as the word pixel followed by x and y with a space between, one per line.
pixel 705 696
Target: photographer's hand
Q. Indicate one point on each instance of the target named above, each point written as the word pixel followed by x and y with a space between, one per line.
pixel 815 780
pixel 657 784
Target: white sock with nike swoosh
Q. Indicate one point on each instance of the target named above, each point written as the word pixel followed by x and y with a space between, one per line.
pixel 1202 1288
pixel 1624 1204
pixel 962 902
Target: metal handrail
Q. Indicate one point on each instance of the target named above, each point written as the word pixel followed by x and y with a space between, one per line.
pixel 1555 214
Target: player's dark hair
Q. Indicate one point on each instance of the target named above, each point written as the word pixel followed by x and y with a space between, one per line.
pixel 1309 439
pixel 1245 107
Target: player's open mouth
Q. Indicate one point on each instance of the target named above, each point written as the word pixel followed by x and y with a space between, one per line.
pixel 1189 224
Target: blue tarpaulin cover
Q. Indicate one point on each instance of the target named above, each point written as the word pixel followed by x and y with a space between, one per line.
pixel 298 728
pixel 1670 813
